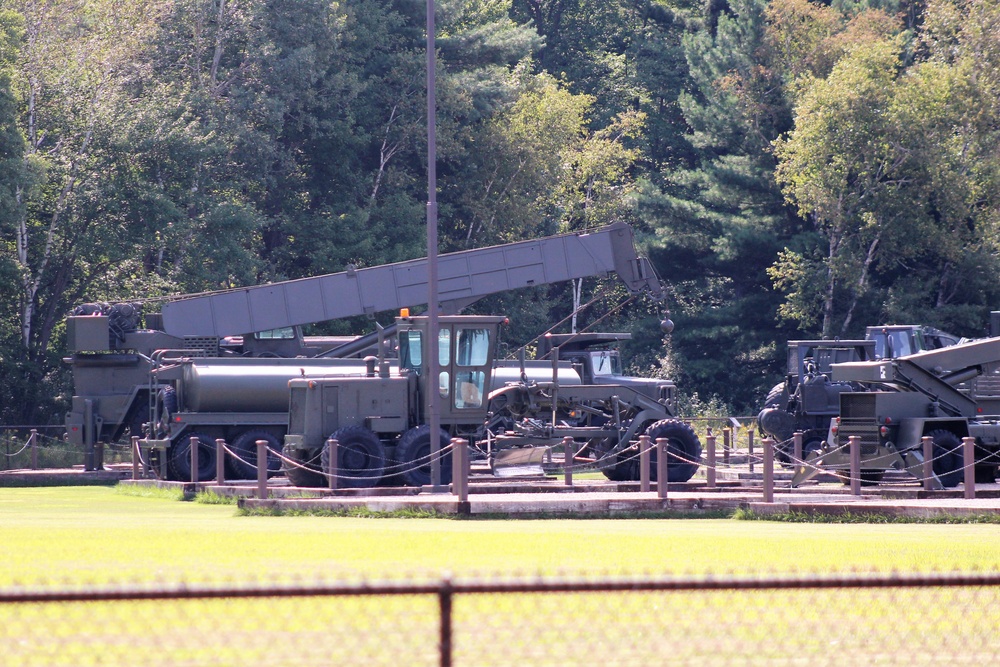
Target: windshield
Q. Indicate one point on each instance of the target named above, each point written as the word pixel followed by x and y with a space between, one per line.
pixel 606 362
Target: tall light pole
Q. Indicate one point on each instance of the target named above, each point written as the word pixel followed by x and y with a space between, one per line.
pixel 434 365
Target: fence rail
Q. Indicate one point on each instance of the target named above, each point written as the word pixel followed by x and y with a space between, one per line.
pixel 905 619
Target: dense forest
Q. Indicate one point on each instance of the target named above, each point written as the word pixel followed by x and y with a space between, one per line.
pixel 793 168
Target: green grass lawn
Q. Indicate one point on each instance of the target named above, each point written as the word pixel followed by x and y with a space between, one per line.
pixel 95 536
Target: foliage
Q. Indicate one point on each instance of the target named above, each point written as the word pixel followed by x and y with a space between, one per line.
pixel 792 167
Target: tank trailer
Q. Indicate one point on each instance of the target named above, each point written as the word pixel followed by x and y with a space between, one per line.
pixel 946 394
pixel 217 365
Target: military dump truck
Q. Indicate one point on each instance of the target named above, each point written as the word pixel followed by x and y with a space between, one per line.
pixel 217 365
pixel 379 423
pixel 946 394
pixel 808 398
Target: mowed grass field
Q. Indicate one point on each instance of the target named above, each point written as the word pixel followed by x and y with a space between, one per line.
pixel 80 537
pixel 95 535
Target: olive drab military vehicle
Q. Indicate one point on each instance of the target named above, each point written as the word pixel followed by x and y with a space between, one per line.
pixel 218 365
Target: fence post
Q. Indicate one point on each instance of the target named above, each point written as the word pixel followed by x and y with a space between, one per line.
pixel 750 448
pixel 568 451
pixel 459 470
pixel 332 470
pixel 854 445
pixel 135 457
pixel 797 449
pixel 710 460
pixel 768 470
pixel 644 445
pixel 662 468
pixel 969 467
pixel 34 449
pixel 220 461
pixel 193 446
pixel 444 604
pixel 262 469
pixel 727 441
pixel 928 445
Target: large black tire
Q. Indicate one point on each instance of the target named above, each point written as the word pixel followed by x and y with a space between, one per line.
pixel 683 449
pixel 777 397
pixel 360 457
pixel 245 447
pixel 413 453
pixel 304 471
pixel 948 460
pixel 179 458
pixel 613 469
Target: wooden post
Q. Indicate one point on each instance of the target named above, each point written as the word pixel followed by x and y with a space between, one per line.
pixel 332 470
pixel 220 461
pixel 928 445
pixel 645 443
pixel 34 449
pixel 135 457
pixel 262 469
pixel 750 448
pixel 662 467
pixel 969 468
pixel 568 451
pixel 710 461
pixel 768 470
pixel 193 447
pixel 797 448
pixel 854 444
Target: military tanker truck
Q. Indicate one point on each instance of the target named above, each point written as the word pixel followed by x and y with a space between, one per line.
pixel 378 421
pixel 217 365
pixel 946 394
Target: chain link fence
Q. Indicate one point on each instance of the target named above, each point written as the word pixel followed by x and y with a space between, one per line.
pixel 889 619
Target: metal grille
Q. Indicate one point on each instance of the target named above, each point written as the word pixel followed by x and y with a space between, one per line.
pixel 857 417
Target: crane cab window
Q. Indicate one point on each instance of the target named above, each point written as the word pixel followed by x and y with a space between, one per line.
pixel 472 350
pixel 284 333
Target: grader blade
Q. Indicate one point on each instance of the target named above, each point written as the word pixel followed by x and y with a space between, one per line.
pixel 520 461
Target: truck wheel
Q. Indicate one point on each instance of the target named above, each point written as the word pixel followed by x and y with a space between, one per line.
pixel 303 470
pixel 245 447
pixel 179 458
pixel 948 460
pixel 683 449
pixel 777 397
pixel 360 457
pixel 413 453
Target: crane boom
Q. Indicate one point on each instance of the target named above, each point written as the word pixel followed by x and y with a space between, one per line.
pixel 465 277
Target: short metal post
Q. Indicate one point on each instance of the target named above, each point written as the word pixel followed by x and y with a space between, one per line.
pixel 727 443
pixel 34 449
pixel 768 470
pixel 332 470
pixel 662 467
pixel 220 461
pixel 135 457
pixel 459 470
pixel 262 469
pixel 193 446
pixel 568 451
pixel 928 445
pixel 445 631
pixel 854 445
pixel 710 461
pixel 750 449
pixel 797 448
pixel 645 443
pixel 969 467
